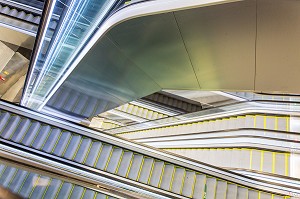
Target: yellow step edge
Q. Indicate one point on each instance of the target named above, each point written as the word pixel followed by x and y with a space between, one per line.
pixel 286 164
pixel 151 172
pixel 194 184
pixel 10 117
pixel 172 178
pixel 99 153
pixel 182 181
pixel 60 134
pixel 74 106
pixel 70 193
pixel 273 162
pixel 119 163
pixel 47 187
pixel 20 188
pixel 140 169
pixel 60 186
pixel 76 151
pixel 109 157
pixel 261 160
pixel 129 167
pixel 161 176
pixel 251 157
pixel 47 137
pixel 13 177
pixel 15 128
pixel 67 145
pixel 83 193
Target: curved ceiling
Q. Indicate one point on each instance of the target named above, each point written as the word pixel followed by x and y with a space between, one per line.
pixel 245 45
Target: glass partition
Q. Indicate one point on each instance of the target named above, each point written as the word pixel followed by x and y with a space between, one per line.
pixel 77 20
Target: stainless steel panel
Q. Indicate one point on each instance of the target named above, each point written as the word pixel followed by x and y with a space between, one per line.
pixel 106 68
pixel 221 42
pixel 278 46
pixel 154 43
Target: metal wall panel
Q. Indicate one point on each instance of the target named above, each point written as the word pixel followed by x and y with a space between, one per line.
pixel 221 42
pixel 278 46
pixel 155 45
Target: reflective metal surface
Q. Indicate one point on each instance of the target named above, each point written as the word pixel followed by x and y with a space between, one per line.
pixel 278 46
pixel 136 58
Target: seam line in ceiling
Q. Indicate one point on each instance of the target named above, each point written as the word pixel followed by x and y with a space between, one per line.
pixel 188 54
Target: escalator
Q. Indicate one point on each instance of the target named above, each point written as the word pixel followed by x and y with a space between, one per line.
pixel 30 184
pixel 173 176
pixel 238 121
pixel 263 115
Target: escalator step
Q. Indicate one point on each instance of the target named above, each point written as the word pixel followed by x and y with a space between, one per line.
pixel 40 187
pixel 93 153
pixel 81 104
pixel 11 126
pixel 72 102
pixel 77 192
pixel 265 195
pixel 199 186
pixel 135 166
pixel 7 176
pixel 41 137
pixel 65 190
pixel 242 193
pixel 156 173
pixel 189 182
pixel 83 150
pixel 114 160
pixel 221 189
pixel 178 180
pixel 104 156
pixel 146 170
pixel 88 194
pixel 167 177
pixel 101 196
pixel 72 146
pixel 21 130
pixel 18 181
pixel 231 191
pixel 52 189
pixel 31 133
pixel 125 163
pixel 89 107
pixel 211 184
pixel 28 185
pixel 59 103
pixel 62 143
pixel 102 107
pixel 50 142
pixel 252 194
pixel 4 118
